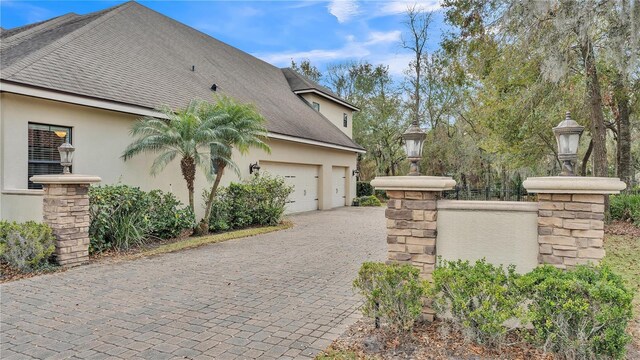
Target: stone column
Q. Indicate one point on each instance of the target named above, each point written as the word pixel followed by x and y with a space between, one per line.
pixel 571 218
pixel 66 211
pixel 412 215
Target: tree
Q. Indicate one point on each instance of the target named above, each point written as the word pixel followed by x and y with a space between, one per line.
pixel 417 24
pixel 184 134
pixel 307 69
pixel 240 127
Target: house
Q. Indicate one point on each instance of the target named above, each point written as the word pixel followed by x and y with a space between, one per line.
pixel 87 78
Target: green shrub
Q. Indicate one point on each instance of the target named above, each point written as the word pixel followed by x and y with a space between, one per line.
pixel 580 313
pixel 480 298
pixel 392 293
pixel 26 246
pixel 259 201
pixel 168 217
pixel 363 188
pixel 381 195
pixel 367 201
pixel 123 217
pixel 625 207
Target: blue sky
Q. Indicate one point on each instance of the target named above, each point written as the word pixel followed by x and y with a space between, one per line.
pixel 275 31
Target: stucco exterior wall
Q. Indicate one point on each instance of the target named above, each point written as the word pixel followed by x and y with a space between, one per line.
pixel 100 136
pixel 502 232
pixel 333 111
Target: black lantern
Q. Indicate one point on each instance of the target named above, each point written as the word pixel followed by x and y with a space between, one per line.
pixel 254 168
pixel 568 138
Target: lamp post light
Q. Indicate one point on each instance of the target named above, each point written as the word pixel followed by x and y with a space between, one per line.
pixel 568 138
pixel 66 153
pixel 413 141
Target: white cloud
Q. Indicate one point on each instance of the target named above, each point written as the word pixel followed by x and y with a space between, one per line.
pixel 376 49
pixel 343 10
pixel 397 7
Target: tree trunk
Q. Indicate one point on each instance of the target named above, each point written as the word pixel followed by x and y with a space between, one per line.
pixel 594 103
pixel 624 132
pixel 188 168
pixel 585 159
pixel 203 227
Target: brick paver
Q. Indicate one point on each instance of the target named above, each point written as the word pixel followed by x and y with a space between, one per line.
pixel 275 296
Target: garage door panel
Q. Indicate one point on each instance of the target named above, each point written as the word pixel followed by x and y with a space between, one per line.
pixel 339 180
pixel 303 179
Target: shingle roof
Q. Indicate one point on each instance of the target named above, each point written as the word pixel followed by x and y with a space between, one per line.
pixel 134 55
pixel 300 83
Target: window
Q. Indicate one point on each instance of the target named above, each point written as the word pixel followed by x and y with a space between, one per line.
pixel 345 120
pixel 315 106
pixel 44 157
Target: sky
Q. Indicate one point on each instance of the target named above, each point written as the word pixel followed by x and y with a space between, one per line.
pixel 324 32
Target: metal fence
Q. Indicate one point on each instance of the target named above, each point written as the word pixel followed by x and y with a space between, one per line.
pixel 488 194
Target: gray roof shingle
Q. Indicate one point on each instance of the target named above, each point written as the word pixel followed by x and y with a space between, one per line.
pixel 134 55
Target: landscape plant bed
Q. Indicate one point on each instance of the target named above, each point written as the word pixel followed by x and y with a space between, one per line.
pixel 435 340
pixel 149 249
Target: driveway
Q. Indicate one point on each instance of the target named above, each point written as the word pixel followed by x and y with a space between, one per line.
pixel 279 295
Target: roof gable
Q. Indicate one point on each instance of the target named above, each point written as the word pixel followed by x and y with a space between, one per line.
pixel 134 55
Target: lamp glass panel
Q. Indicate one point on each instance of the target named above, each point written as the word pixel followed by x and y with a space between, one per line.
pixel 574 140
pixel 563 142
pixel 413 148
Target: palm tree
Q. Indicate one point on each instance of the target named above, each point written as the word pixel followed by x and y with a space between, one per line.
pixel 241 127
pixel 185 134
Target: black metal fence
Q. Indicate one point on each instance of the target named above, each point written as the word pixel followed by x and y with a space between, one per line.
pixel 486 194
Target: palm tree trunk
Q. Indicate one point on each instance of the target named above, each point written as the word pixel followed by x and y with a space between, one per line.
pixel 188 167
pixel 203 228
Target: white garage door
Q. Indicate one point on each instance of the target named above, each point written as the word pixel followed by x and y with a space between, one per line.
pixel 303 178
pixel 339 181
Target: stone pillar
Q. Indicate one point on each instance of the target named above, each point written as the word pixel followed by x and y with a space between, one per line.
pixel 571 218
pixel 412 215
pixel 66 211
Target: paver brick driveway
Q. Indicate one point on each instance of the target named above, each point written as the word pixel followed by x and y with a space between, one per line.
pixel 280 295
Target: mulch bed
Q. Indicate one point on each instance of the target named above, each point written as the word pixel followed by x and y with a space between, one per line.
pixel 622 228
pixel 436 340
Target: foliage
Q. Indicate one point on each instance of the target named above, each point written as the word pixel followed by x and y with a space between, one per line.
pixel 259 201
pixel 363 188
pixel 625 207
pixel 393 293
pixel 623 257
pixel 581 313
pixel 481 297
pixel 307 70
pixel 168 218
pixel 186 133
pixel 239 126
pixel 26 246
pixel 123 216
pixel 370 200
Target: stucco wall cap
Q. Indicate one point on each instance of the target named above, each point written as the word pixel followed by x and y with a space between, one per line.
pixel 65 179
pixel 574 185
pixel 472 205
pixel 413 183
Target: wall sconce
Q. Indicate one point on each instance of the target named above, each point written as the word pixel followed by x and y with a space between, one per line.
pixel 66 151
pixel 254 168
pixel 568 138
pixel 355 172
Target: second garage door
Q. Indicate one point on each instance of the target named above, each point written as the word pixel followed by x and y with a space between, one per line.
pixel 303 178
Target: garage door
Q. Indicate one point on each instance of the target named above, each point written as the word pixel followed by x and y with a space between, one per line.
pixel 303 178
pixel 339 181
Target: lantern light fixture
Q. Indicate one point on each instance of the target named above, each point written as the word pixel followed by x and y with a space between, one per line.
pixel 355 172
pixel 254 168
pixel 568 138
pixel 66 157
pixel 413 142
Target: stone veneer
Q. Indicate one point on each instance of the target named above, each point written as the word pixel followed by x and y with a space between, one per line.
pixel 66 211
pixel 570 229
